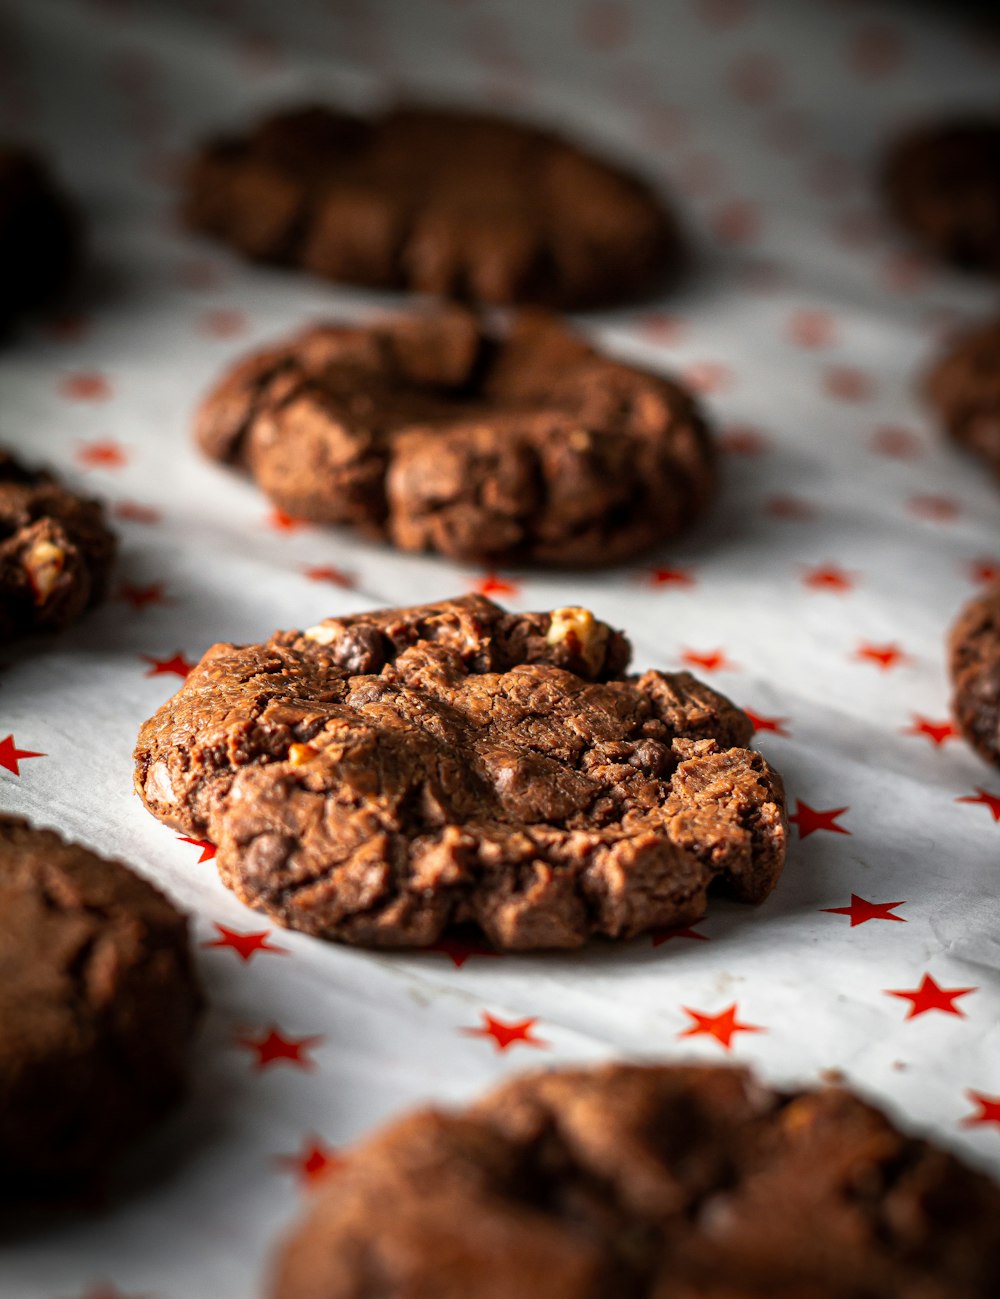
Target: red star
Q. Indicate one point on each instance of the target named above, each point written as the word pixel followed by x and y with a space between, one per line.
pixel 861 911
pixel 723 1026
pixel 659 327
pixel 988 800
pixel 708 660
pixel 246 946
pixel 828 577
pixel 85 386
pixel 282 522
pixel 223 323
pixel 11 755
pixel 493 584
pixel 936 732
pixel 670 577
pixel 939 509
pixel 506 1035
pixel 102 454
pixel 929 996
pixel 208 850
pixel 876 50
pixel 741 440
pixel 811 328
pixel 459 950
pixel 178 664
pixel 984 571
pixel 136 513
pixel 140 597
pixel 884 656
pixel 315 1160
pixel 736 222
pixel 989 1110
pixel 776 725
pixel 275 1048
pixel 810 819
pixel 661 936
pixel 708 376
pixel 897 443
pixel 847 384
pixel 324 573
pixel 790 508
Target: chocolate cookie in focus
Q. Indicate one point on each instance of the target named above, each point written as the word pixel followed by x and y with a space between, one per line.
pixel 963 388
pixel 668 1182
pixel 942 184
pixel 56 552
pixel 453 203
pixel 98 1004
pixel 40 234
pixel 385 778
pixel 974 651
pixel 525 446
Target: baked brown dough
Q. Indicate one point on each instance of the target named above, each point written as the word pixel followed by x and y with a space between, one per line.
pixel 531 446
pixel 631 1182
pixel 382 778
pixel 459 204
pixel 974 646
pixel 963 387
pixel 98 1002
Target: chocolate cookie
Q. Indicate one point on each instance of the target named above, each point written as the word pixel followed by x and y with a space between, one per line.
pixel 40 234
pixel 974 648
pixel 381 778
pixel 531 446
pixel 459 204
pixel 670 1182
pixel 942 183
pixel 56 552
pixel 963 387
pixel 98 1002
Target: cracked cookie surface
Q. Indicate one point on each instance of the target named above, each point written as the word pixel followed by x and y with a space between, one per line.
pixel 383 778
pixel 675 1182
pixel 457 204
pixel 98 1001
pixel 530 446
pixel 974 646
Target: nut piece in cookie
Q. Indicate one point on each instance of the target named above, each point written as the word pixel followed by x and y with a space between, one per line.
pixel 963 388
pixel 457 204
pixel 527 446
pixel 40 234
pixel 974 652
pixel 56 552
pixel 942 183
pixel 383 778
pixel 672 1182
pixel 98 1003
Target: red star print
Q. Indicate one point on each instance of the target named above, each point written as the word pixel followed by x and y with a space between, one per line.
pixel 741 440
pixel 776 725
pixel 847 384
pixel 661 936
pixel 984 571
pixel 133 512
pixel 790 508
pixel 141 597
pixel 493 584
pixel 876 50
pixel 896 443
pixel 670 577
pixel 459 950
pixel 103 454
pixel 861 911
pixel 737 222
pixel 506 1035
pixel 885 657
pixel 208 850
pixel 708 376
pixel 810 819
pixel 988 1112
pixel 85 385
pixel 282 522
pixel 723 1027
pixel 324 573
pixel 811 328
pixel 939 509
pixel 246 946
pixel 315 1160
pixel 11 755
pixel 661 328
pixel 986 799
pixel 177 664
pixel 828 577
pixel 708 660
pixel 936 732
pixel 755 79
pixel 274 1048
pixel 223 323
pixel 930 996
